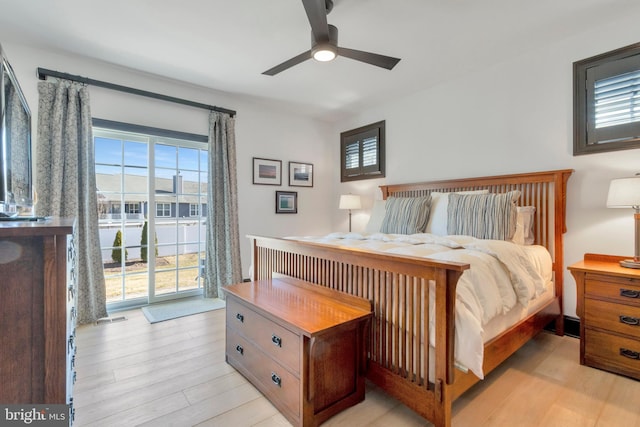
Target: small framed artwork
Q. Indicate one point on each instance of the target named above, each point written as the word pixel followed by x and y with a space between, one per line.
pixel 300 174
pixel 286 202
pixel 267 171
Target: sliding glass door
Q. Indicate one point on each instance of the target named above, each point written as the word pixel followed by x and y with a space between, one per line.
pixel 152 212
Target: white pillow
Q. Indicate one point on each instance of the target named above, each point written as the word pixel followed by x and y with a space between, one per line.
pixel 438 213
pixel 524 226
pixel 377 216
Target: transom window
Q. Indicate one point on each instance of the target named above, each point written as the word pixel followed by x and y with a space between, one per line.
pixel 362 153
pixel 607 101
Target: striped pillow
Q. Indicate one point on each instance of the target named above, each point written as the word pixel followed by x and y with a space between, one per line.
pixel 484 216
pixel 406 215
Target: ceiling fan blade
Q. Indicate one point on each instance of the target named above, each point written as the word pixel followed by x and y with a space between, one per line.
pixel 317 14
pixel 387 62
pixel 288 64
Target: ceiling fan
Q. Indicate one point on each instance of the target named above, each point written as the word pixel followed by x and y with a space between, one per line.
pixel 324 42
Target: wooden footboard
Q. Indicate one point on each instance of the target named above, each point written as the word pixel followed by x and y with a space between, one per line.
pixel 398 287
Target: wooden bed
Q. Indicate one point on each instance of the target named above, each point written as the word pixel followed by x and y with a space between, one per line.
pixel 398 289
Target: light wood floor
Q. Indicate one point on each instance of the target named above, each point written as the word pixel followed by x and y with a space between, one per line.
pixel 173 374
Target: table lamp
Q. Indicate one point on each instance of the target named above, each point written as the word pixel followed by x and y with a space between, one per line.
pixel 349 201
pixel 625 193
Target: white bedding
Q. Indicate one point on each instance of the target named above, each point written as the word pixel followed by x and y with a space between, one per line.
pixel 503 277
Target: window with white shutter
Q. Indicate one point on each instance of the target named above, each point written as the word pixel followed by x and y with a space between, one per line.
pixel 362 152
pixel 607 101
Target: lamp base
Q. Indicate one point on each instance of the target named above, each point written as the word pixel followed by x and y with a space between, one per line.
pixel 629 263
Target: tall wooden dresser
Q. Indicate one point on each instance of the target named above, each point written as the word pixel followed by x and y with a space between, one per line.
pixel 37 311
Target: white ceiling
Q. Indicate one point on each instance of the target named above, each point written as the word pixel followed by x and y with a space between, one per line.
pixel 226 45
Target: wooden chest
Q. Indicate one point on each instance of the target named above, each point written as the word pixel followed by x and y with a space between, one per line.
pixel 302 345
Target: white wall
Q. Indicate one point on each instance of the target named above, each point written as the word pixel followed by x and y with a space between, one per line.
pixel 262 130
pixel 515 116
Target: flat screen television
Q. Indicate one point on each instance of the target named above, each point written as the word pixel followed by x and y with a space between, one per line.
pixel 16 186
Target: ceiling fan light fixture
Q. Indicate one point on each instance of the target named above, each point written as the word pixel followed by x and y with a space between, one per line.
pixel 324 53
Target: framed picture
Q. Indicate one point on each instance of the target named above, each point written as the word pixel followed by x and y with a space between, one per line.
pixel 267 171
pixel 286 202
pixel 300 174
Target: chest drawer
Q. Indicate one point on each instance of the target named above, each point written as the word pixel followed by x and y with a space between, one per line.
pixel 278 342
pixel 612 352
pixel 620 289
pixel 624 319
pixel 271 378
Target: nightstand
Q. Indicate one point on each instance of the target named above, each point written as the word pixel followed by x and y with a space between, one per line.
pixel 608 305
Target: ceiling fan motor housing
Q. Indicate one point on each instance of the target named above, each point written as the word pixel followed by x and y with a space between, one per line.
pixel 321 50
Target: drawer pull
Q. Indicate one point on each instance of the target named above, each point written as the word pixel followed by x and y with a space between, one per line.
pixel 630 354
pixel 276 379
pixel 628 320
pixel 239 349
pixel 276 340
pixel 240 317
pixel 629 293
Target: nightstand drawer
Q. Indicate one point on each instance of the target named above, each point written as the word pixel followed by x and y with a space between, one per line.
pixel 620 318
pixel 620 289
pixel 612 352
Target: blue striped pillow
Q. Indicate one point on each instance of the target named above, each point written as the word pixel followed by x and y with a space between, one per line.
pixel 484 216
pixel 406 215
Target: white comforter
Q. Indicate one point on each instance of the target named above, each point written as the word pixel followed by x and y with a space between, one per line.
pixel 502 275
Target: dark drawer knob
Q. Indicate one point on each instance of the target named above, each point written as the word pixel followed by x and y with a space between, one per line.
pixel 240 317
pixel 629 293
pixel 239 349
pixel 628 320
pixel 276 340
pixel 629 353
pixel 276 379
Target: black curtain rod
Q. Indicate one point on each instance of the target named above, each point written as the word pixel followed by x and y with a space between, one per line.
pixel 44 73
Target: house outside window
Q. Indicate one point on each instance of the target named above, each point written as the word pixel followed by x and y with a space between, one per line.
pixel 194 209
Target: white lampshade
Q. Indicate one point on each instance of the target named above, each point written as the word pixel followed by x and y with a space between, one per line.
pixel 624 193
pixel 350 201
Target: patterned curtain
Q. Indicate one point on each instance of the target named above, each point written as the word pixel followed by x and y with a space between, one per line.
pixel 222 240
pixel 66 183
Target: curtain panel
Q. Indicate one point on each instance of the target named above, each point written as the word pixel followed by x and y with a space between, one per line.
pixel 222 239
pixel 66 183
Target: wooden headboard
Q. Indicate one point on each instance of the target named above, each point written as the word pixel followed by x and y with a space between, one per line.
pixel 544 190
